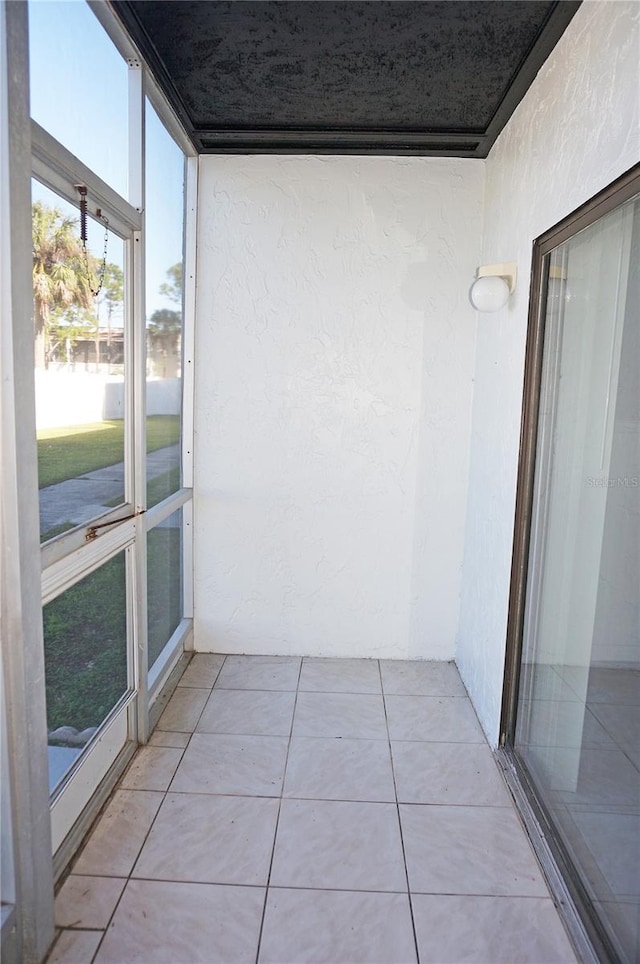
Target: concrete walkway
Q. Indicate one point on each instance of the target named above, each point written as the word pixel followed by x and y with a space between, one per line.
pixel 81 499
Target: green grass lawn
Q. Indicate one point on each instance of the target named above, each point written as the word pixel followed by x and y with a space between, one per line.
pixel 85 639
pixel 85 633
pixel 85 628
pixel 66 453
pixel 164 587
pixel 163 486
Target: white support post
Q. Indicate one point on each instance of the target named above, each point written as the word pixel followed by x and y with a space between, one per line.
pixel 138 341
pixel 188 378
pixel 188 330
pixel 22 639
pixel 138 332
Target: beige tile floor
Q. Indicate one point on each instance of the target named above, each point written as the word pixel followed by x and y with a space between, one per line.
pixel 304 811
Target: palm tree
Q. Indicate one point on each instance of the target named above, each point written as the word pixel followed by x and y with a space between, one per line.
pixel 113 299
pixel 165 326
pixel 60 276
pixel 164 331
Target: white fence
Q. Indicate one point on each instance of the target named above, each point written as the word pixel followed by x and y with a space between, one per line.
pixel 79 398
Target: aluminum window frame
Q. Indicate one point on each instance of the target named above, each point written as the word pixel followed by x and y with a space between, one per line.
pixel 29 926
pixel 58 170
pixel 68 558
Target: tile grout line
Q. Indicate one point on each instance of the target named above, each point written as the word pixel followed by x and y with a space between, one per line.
pixel 146 836
pixel 626 898
pixel 128 876
pixel 620 747
pixel 275 833
pixel 395 788
pixel 268 886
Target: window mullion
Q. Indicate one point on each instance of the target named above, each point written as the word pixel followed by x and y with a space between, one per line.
pixel 139 398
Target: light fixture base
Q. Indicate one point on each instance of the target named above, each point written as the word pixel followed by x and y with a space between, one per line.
pixel 504 269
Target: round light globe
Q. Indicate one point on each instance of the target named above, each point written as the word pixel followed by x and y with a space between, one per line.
pixel 489 294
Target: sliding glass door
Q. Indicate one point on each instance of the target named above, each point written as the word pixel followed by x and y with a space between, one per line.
pixel 577 726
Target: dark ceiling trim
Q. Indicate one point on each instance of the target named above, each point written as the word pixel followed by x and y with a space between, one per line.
pixel 558 19
pixel 398 147
pixel 304 141
pixel 326 133
pixel 428 143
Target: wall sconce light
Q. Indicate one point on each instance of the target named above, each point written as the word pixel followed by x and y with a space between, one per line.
pixel 493 286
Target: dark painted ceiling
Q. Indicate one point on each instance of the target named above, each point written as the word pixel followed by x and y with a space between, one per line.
pixel 358 76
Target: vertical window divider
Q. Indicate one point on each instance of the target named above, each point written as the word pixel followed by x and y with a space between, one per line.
pixel 136 134
pixel 188 337
pixel 140 725
pixel 188 349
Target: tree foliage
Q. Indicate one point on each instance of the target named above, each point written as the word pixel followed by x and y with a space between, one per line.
pixel 112 293
pixel 65 309
pixel 172 289
pixel 165 325
pixel 60 280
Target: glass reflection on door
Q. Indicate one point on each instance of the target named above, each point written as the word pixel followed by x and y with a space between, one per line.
pixel 164 221
pixel 578 724
pixel 79 365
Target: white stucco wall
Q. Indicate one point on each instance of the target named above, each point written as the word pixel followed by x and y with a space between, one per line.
pixel 333 396
pixel 576 130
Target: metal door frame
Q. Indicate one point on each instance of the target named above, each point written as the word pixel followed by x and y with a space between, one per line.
pixel 566 887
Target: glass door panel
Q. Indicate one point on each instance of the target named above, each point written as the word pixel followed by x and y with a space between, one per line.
pixel 578 721
pixel 164 221
pixel 82 281
pixel 79 365
pixel 86 665
pixel 164 583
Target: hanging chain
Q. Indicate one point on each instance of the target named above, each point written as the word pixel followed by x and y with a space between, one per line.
pixel 82 191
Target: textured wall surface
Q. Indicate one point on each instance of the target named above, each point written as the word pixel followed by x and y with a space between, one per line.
pixel 333 403
pixel 576 130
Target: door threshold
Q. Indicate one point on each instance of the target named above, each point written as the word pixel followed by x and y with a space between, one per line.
pixel 71 844
pixel 586 941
